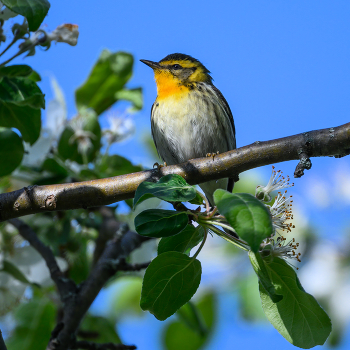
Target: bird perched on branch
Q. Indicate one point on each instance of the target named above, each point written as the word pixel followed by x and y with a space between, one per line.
pixel 190 117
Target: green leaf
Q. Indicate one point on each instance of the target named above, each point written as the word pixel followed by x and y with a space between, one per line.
pixel 11 151
pixel 298 316
pixel 17 70
pixel 198 200
pixel 54 167
pixel 33 10
pixel 170 281
pixel 160 222
pixel 102 330
pixel 247 215
pixel 21 92
pixel 115 165
pixel 20 102
pixel 125 300
pixel 35 322
pixel 108 76
pixel 27 120
pixel 13 270
pixel 182 242
pixel 171 188
pixel 132 95
pixel 34 76
pixel 263 275
pixel 193 332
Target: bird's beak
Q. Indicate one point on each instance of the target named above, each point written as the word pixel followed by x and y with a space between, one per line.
pixel 153 65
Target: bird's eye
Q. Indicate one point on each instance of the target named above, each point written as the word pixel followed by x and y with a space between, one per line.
pixel 176 66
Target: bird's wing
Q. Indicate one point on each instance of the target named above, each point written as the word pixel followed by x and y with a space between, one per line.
pixel 227 110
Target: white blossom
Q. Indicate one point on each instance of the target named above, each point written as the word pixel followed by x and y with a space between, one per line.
pixel 81 137
pixel 65 33
pixel 282 249
pixel 281 212
pixel 120 128
pixel 277 182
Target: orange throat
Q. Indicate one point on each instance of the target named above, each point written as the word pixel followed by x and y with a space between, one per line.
pixel 168 86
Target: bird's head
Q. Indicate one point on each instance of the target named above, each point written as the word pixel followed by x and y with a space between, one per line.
pixel 176 72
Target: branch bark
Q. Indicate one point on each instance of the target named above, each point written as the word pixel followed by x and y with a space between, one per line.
pixel 2 343
pixel 105 346
pixel 318 143
pixel 66 287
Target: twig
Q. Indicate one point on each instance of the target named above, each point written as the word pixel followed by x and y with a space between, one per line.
pixel 124 266
pixel 2 343
pixel 110 225
pixel 66 287
pixel 82 344
pixel 304 164
pixel 319 143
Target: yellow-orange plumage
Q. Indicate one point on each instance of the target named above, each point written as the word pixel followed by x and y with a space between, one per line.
pixel 167 86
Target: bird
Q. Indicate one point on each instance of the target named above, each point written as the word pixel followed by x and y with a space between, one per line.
pixel 190 117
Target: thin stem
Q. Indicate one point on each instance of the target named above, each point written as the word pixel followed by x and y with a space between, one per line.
pixel 228 238
pixel 211 214
pixel 203 242
pixel 220 224
pixel 220 217
pixel 9 45
pixel 227 227
pixel 207 205
pixel 10 59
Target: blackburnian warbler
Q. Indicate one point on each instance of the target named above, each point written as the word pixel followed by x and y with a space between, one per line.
pixel 190 117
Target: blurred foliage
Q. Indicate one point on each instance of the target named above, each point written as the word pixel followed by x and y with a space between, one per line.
pixel 195 326
pixel 33 10
pixel 35 321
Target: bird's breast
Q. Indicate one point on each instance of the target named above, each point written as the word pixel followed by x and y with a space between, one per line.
pixel 187 127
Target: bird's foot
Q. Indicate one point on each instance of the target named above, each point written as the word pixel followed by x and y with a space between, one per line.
pixel 212 154
pixel 159 166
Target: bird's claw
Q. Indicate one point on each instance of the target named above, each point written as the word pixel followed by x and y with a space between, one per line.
pixel 159 166
pixel 212 154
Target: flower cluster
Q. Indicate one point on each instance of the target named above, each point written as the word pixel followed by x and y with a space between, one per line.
pixel 81 136
pixel 281 214
pixel 277 182
pixel 282 249
pixel 65 33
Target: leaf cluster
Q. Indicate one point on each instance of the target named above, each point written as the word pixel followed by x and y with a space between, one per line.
pixel 173 277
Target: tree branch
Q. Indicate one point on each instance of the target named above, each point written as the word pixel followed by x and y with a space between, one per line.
pixel 105 346
pixel 110 225
pixel 66 287
pixel 116 250
pixel 37 199
pixel 124 266
pixel 2 343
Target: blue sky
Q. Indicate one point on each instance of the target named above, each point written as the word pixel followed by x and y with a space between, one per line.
pixel 283 67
